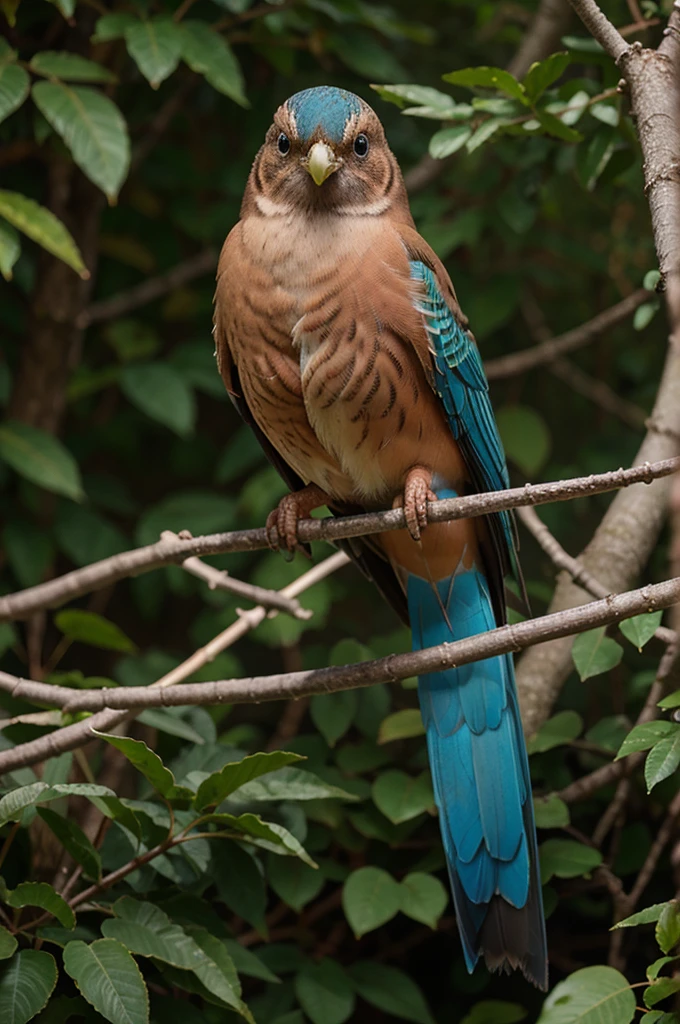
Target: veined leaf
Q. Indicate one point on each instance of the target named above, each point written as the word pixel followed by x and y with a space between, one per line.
pixel 370 898
pixel 156 47
pixel 401 797
pixel 647 916
pixel 593 994
pixel 26 983
pixel 71 67
pixel 209 54
pixel 662 760
pixel 423 898
pixel 92 127
pixel 232 776
pixel 562 728
pixel 550 812
pixel 14 86
pixel 267 834
pixel 13 804
pixel 39 894
pixel 41 226
pixel 566 859
pixel 541 75
pixel 594 653
pixel 148 763
pixel 644 736
pixel 449 140
pixel 108 977
pixel 641 628
pixel 488 78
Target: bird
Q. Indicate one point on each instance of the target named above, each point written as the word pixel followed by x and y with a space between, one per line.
pixel 342 344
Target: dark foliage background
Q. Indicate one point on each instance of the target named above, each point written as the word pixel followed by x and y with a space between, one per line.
pixel 113 403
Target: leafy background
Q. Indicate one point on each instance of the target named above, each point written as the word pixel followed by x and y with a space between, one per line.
pixel 127 135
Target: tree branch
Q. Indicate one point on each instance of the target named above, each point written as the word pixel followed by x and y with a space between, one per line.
pixel 73 584
pixel 550 350
pixel 292 685
pixel 70 737
pixel 600 27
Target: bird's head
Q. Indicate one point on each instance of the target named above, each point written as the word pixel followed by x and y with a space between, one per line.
pixel 325 152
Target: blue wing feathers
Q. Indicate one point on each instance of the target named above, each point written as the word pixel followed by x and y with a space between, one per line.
pixel 475 743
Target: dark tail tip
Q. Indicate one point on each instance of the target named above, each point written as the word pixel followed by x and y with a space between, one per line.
pixel 513 937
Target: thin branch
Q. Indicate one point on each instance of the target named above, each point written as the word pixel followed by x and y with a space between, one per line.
pixel 77 735
pixel 600 27
pixel 165 552
pixel 551 349
pixel 292 685
pixel 598 392
pixel 576 569
pixel 148 291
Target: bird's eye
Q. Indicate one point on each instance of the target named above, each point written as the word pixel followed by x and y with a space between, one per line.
pixel 361 145
pixel 283 143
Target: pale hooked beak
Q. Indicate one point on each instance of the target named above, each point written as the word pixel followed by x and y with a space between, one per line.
pixel 321 161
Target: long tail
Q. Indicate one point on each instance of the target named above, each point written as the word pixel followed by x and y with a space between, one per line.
pixel 481 782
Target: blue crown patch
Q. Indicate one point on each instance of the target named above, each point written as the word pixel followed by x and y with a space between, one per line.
pixel 324 107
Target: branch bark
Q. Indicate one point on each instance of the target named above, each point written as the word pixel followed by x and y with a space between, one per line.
pixel 174 551
pixel 623 542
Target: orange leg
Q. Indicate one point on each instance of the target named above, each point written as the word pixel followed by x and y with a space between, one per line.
pixel 282 522
pixel 417 493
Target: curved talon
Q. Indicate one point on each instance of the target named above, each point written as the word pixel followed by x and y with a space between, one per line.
pixel 417 493
pixel 282 522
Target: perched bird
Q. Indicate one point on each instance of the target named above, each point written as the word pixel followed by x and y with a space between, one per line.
pixel 341 342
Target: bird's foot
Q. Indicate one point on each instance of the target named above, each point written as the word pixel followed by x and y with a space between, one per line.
pixel 282 522
pixel 417 493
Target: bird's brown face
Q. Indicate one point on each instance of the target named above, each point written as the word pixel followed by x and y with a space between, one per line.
pixel 325 152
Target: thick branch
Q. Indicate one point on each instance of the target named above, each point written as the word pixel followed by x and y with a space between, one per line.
pixel 170 552
pixel 550 350
pixel 293 685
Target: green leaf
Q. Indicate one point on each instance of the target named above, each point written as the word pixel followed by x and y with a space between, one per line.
pixel 74 841
pixel 291 784
pixel 232 776
pixel 209 54
pixel 89 628
pixel 550 812
pixel 370 898
pixel 525 436
pixel 668 928
pixel 158 391
pixel 566 858
pixel 240 883
pixel 592 160
pixel 655 969
pixel 607 113
pixel 40 894
pixel 26 983
pixel 420 98
pixel 485 131
pixel 92 127
pixel 423 898
pixel 333 713
pixel 593 995
pixel 641 628
pixel 13 804
pixel 8 944
pixel 147 762
pixel 14 86
pixel 449 140
pixel 155 46
pixel 248 963
pixel 493 1011
pixel 71 67
pixel 146 930
pixel 293 881
pixel 112 26
pixel 644 314
pixel 401 797
pixel 218 973
pixel 40 458
pixel 555 126
pixel 647 916
pixel 41 226
pixel 642 737
pixel 594 653
pixel 401 725
pixel 662 760
pixel 325 993
pixel 661 989
pixel 488 78
pixel 562 728
pixel 541 75
pixel 390 990
pixel 10 248
pixel 107 976
pixel 267 834
pixel 671 700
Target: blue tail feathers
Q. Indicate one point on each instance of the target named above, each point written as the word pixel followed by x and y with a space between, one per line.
pixel 481 781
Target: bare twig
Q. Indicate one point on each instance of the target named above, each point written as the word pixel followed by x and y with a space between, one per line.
pixel 292 685
pixel 72 736
pixel 553 348
pixel 576 570
pixel 165 552
pixel 148 291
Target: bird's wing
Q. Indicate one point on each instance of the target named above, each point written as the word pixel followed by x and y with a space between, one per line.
pixel 460 382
